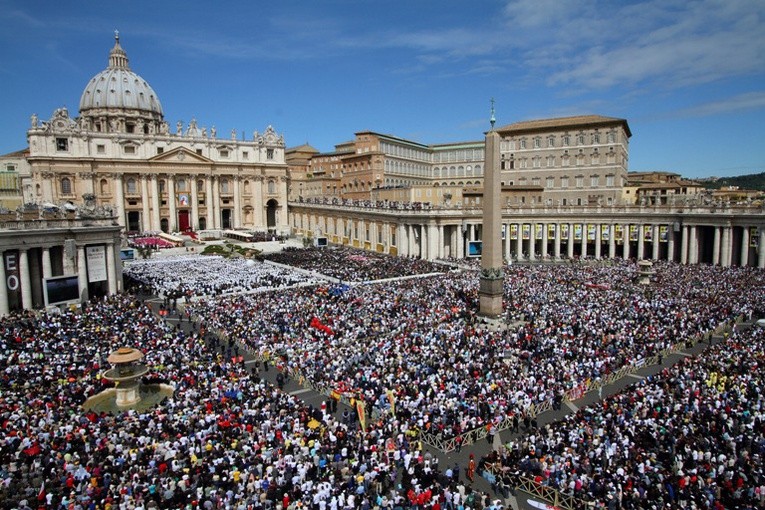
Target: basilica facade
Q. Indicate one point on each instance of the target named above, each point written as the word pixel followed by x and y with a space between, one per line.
pixel 121 151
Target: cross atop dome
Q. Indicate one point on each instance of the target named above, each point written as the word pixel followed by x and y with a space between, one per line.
pixel 117 57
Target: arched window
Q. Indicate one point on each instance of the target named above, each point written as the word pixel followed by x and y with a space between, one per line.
pixel 104 186
pixel 181 184
pixel 246 187
pixel 131 187
pixel 162 186
pixel 271 186
pixel 200 186
pixel 224 186
pixel 66 186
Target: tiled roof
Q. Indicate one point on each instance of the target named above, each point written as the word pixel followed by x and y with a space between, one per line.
pixel 561 122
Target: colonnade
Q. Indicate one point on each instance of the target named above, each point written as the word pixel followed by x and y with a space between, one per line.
pixel 433 235
pixel 24 270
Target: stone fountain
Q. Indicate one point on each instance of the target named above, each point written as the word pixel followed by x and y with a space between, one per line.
pixel 129 392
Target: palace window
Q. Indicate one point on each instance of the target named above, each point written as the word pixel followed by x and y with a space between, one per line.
pixel 551 141
pixel 594 181
pixel 609 180
pixel 537 142
pixel 62 144
pixel 550 182
pixel 580 181
pixel 564 182
pixel 66 186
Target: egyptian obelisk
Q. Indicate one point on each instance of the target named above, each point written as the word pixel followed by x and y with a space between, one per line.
pixel 490 293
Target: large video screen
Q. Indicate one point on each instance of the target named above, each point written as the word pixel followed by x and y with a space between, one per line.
pixel 321 241
pixel 475 248
pixel 61 289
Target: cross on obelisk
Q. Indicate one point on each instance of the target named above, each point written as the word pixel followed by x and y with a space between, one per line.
pixel 492 273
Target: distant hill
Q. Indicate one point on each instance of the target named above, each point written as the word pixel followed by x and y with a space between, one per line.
pixel 751 181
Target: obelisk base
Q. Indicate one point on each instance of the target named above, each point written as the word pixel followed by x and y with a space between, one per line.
pixel 490 295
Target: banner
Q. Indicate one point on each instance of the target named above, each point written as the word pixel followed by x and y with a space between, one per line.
pixel 504 231
pixel 591 233
pixel 663 233
pixel 551 231
pixel 633 233
pixel 12 279
pixel 392 400
pixel 564 232
pixel 538 231
pixel 96 256
pixel 361 413
pixel 577 232
pixel 648 233
pixel 754 237
pixel 526 233
pixel 619 233
pixel 605 232
pixel 514 232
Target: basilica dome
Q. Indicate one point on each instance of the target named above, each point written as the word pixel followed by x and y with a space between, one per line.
pixel 119 88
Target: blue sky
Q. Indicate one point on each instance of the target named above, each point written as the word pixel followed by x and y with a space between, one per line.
pixel 688 75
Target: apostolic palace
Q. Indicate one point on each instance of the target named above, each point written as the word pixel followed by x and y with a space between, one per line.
pixel 118 168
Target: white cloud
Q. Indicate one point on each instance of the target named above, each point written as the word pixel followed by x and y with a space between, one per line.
pixel 741 102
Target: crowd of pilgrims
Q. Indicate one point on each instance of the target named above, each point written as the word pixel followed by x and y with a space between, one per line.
pixel 421 342
pixel 413 349
pixel 353 265
pixel 692 436
pixel 203 275
pixel 225 439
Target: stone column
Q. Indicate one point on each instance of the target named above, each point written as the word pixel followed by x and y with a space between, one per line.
pixel 216 202
pixel 760 248
pixel 4 306
pixel 626 247
pixel 46 267
pixel 556 249
pixel 26 284
pixel 237 203
pixel 671 243
pixel 155 203
pixel 460 242
pixel 641 242
pixel 508 242
pixel 726 247
pixel 655 243
pixel 584 240
pixel 194 194
pixel 209 210
pixel 684 245
pixel 716 247
pixel 145 209
pixel 598 247
pixel 172 224
pixel 612 241
pixel 519 243
pixel 119 206
pixel 744 246
pixel 693 248
pixel 281 220
pixel 533 241
pixel 571 241
pixel 82 273
pixel 433 242
pixel 544 240
pixel 111 268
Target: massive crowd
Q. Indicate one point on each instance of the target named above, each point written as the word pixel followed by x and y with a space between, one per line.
pixel 418 342
pixel 412 349
pixel 202 275
pixel 224 440
pixel 691 437
pixel 353 265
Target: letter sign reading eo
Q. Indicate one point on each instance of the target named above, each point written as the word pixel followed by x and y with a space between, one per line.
pixel 11 269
